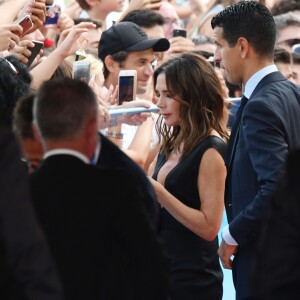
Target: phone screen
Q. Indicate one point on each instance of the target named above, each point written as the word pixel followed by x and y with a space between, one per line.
pixel 81 71
pixel 126 88
pixel 34 52
pixel 52 14
pixel 179 32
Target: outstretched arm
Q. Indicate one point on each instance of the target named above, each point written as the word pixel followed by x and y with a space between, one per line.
pixel 74 40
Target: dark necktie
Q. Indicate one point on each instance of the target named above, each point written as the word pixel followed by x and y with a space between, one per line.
pixel 234 131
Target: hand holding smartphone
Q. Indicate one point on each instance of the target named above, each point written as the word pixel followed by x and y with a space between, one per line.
pixel 35 50
pixel 127 86
pixel 26 23
pixel 81 71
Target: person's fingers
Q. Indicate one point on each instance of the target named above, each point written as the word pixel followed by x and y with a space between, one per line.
pixel 227 264
pixel 113 97
pixel 12 44
pixel 15 31
pixel 26 43
pixel 25 51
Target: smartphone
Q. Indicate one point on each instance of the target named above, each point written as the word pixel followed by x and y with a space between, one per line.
pixel 127 86
pixel 132 110
pixel 26 23
pixel 81 71
pixel 179 32
pixel 52 14
pixel 35 50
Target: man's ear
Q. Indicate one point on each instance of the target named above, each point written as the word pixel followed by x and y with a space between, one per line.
pixel 243 45
pixel 111 65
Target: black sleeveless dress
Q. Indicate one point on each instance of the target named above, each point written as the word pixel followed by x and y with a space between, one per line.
pixel 195 269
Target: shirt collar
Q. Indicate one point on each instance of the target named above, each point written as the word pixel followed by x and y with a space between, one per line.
pixel 64 151
pixel 94 160
pixel 256 78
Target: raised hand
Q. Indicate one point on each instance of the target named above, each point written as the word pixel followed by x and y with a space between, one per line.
pixel 8 37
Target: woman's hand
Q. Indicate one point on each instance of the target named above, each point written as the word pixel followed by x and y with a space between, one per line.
pixel 74 39
pixel 37 11
pixel 21 51
pixel 158 188
pixel 64 22
pixel 8 37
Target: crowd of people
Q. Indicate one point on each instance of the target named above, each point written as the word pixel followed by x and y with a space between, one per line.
pixel 129 206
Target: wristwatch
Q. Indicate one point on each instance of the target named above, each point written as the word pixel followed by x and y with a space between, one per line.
pixel 114 134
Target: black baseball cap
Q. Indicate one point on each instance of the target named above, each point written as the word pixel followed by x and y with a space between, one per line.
pixel 127 36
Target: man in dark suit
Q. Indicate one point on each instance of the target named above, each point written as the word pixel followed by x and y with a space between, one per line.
pixel 95 220
pixel 110 156
pixel 26 268
pixel 277 267
pixel 266 128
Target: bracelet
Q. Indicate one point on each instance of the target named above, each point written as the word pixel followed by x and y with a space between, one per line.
pixel 114 134
pixel 113 122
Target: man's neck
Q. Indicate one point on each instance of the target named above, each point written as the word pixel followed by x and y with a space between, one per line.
pixel 50 145
pixel 99 14
pixel 253 68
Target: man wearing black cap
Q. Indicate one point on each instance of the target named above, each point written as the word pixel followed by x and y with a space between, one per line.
pixel 125 46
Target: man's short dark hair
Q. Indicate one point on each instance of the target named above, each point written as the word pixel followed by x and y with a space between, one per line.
pixel 63 107
pixel 118 57
pixel 144 18
pixel 251 20
pixel 83 4
pixel 284 6
pixel 22 117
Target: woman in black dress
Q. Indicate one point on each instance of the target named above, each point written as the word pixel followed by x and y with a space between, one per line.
pixel 189 176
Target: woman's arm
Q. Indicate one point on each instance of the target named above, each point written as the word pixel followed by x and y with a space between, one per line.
pixel 75 40
pixel 139 148
pixel 10 9
pixel 205 222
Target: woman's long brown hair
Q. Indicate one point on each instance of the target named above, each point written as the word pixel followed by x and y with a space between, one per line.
pixel 193 82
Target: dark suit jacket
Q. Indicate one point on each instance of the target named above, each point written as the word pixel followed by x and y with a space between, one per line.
pixel 111 157
pixel 277 265
pixel 98 231
pixel 269 129
pixel 26 269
